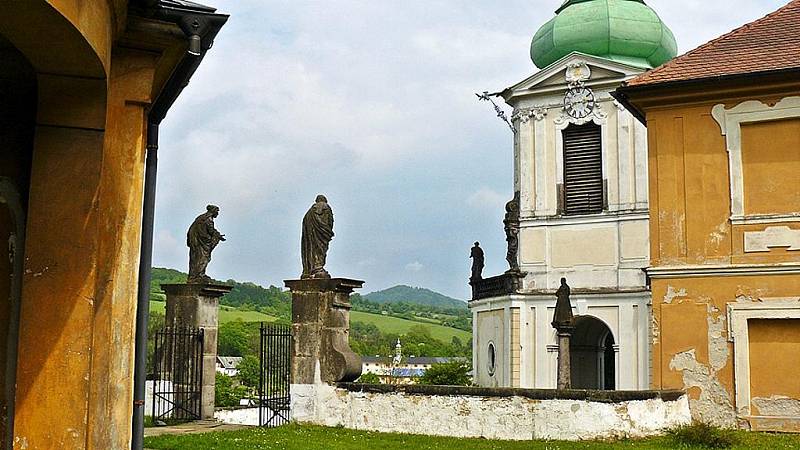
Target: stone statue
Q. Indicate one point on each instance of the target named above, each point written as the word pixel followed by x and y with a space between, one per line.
pixel 562 319
pixel 317 235
pixel 511 226
pixel 477 262
pixel 202 238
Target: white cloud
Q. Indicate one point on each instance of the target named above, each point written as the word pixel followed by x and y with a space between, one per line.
pixel 487 199
pixel 371 103
pixel 415 266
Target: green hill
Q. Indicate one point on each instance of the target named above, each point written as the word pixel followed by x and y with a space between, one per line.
pixel 394 325
pixel 226 313
pixel 414 295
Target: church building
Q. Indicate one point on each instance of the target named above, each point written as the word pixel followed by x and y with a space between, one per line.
pixel 580 209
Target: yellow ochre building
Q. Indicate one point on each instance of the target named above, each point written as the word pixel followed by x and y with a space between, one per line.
pixel 84 85
pixel 723 126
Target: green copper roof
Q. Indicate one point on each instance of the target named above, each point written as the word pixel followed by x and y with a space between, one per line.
pixel 627 31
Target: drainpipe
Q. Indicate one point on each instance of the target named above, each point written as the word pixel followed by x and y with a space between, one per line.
pixel 200 27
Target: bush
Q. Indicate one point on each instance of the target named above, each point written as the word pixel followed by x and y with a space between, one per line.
pixel 225 393
pixel 704 435
pixel 369 378
pixel 453 373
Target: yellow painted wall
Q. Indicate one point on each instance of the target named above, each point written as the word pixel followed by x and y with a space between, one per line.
pixel 75 365
pixel 774 359
pixel 771 158
pixel 690 228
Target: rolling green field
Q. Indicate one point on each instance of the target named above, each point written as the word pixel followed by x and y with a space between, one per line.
pixel 386 324
pixel 394 325
pixel 226 314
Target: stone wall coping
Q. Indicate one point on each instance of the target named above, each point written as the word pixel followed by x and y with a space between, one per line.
pixel 212 290
pixel 343 285
pixel 533 394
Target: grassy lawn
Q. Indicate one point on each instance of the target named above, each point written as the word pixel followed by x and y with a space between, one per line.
pixel 400 326
pixel 226 314
pixel 292 437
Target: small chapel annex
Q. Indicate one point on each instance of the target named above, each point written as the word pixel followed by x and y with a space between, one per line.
pixel 580 209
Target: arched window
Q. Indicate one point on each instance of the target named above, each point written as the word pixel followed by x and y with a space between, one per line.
pixel 583 170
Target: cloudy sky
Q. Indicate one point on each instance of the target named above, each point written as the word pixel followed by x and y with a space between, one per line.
pixel 370 102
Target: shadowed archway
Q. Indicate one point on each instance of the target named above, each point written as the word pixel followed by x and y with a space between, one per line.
pixel 593 358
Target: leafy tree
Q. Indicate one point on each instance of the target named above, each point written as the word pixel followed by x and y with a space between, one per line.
pixel 369 378
pixel 249 371
pixel 233 339
pixel 226 394
pixel 452 373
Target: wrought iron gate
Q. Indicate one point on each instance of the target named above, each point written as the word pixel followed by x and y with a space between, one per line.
pixel 177 374
pixel 275 368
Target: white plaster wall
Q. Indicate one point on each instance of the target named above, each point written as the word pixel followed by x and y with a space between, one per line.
pixel 625 313
pixel 613 246
pixel 507 418
pixel 243 416
pixel 492 325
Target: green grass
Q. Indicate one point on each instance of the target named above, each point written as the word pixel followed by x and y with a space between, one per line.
pixel 400 326
pixel 226 314
pixel 294 437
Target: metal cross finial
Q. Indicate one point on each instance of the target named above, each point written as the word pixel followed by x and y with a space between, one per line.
pixel 500 113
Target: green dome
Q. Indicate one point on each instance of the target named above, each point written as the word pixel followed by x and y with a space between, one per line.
pixel 627 31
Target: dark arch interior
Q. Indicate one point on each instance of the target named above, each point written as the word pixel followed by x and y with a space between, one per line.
pixel 592 355
pixel 18 100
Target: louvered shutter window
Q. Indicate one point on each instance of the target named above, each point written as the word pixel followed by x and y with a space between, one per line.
pixel 583 169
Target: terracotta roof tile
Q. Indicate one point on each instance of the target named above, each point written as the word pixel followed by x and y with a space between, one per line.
pixel 768 44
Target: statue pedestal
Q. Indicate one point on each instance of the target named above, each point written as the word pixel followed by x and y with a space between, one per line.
pixel 197 305
pixel 320 330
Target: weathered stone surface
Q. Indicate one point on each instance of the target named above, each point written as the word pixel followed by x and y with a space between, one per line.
pixel 510 414
pixel 197 305
pixel 320 329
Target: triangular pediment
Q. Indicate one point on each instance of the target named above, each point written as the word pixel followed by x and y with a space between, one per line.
pixel 554 77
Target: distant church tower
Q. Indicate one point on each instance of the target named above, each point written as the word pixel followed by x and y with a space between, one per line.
pixel 580 177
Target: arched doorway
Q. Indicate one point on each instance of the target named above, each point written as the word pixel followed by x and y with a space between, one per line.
pixel 592 355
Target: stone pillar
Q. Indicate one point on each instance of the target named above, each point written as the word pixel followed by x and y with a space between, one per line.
pixel 563 322
pixel 320 329
pixel 197 305
pixel 564 369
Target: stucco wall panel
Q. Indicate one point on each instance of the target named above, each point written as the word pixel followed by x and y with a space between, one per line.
pixel 595 246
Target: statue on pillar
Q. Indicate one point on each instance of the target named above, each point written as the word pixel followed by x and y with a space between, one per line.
pixel 477 262
pixel 511 226
pixel 563 316
pixel 564 323
pixel 201 239
pixel 317 235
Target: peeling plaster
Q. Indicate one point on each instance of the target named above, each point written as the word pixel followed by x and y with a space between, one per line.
pixel 714 406
pixel 777 405
pixel 672 294
pixel 719 234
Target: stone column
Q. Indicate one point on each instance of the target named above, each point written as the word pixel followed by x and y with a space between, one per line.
pixel 320 329
pixel 197 306
pixel 564 369
pixel 563 322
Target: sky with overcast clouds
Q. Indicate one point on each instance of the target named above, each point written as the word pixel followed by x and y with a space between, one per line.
pixel 370 102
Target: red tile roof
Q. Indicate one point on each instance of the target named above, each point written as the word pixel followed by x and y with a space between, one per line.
pixel 769 44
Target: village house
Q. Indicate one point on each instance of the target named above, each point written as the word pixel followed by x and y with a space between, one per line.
pixel 724 154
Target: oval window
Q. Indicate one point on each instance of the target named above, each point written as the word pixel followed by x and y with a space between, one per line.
pixel 492 365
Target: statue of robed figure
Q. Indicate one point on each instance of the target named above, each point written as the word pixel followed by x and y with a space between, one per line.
pixel 563 318
pixel 317 235
pixel 476 253
pixel 201 239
